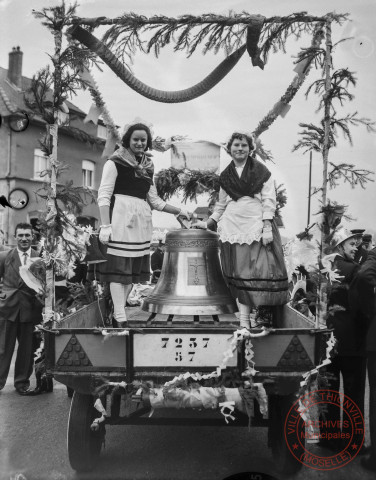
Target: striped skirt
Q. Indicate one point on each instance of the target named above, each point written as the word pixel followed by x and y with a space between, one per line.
pixel 255 274
pixel 128 252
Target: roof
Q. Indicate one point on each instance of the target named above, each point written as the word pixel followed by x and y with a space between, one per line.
pixel 12 99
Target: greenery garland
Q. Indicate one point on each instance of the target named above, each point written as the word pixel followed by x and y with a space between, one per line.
pixel 216 32
pixel 97 97
pixel 305 60
pixel 192 183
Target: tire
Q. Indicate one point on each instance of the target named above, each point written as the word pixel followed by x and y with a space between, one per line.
pixel 285 462
pixel 84 445
pixel 70 392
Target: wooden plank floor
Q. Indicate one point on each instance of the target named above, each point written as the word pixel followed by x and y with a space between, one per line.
pixel 137 317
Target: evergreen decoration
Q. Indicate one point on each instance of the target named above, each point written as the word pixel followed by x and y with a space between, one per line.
pixel 63 234
pixel 46 97
pixel 281 199
pixel 333 208
pixel 339 82
pixel 192 183
pixel 304 61
pixel 168 183
pixel 187 32
pixel 91 84
pixel 131 32
pixel 39 100
pixel 313 138
pixel 350 174
pixel 80 294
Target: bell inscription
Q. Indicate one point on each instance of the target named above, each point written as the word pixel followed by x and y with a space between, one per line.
pixel 197 271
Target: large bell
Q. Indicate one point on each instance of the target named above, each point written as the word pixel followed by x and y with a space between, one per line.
pixel 191 281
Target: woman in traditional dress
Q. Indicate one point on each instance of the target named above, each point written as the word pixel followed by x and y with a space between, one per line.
pixel 125 198
pixel 251 250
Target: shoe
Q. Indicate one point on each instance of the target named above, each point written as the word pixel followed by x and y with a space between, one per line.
pixel 368 464
pixel 44 385
pixel 25 391
pixel 47 385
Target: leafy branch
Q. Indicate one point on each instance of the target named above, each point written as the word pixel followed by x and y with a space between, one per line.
pixel 312 138
pixel 348 173
pixel 281 198
pixel 275 34
pixel 352 119
pixel 187 32
pixel 55 18
pixel 191 182
pixel 313 54
pixel 340 81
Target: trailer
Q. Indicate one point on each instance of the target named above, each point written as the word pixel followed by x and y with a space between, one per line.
pixel 131 373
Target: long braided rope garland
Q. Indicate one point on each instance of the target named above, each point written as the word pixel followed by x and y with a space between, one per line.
pixel 138 86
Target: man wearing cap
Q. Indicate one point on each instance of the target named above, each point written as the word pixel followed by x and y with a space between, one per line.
pixel 362 296
pixel 349 329
pixel 361 252
pixel 367 241
pixel 19 312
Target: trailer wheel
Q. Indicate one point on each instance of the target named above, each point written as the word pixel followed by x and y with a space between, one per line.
pixel 285 462
pixel 84 445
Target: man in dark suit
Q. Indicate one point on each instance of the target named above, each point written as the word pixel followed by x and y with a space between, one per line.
pixel 20 311
pixel 363 296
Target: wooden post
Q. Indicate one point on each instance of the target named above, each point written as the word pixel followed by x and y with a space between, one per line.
pixel 309 188
pixel 52 132
pixel 327 104
pixel 321 301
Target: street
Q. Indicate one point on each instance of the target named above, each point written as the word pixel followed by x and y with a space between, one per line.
pixel 33 442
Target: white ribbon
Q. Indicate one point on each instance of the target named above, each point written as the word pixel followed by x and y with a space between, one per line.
pixel 118 384
pixel 93 115
pixel 230 407
pixel 329 347
pixel 98 406
pixel 108 334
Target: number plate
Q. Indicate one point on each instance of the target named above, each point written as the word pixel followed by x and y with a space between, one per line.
pixel 182 350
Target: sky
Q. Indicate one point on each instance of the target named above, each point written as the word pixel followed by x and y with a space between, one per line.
pixel 240 101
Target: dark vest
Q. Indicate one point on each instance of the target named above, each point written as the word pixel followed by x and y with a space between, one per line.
pixel 128 184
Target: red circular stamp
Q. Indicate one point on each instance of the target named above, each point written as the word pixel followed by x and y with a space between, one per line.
pixel 340 432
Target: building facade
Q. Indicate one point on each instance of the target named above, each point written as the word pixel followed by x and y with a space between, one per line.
pixel 22 162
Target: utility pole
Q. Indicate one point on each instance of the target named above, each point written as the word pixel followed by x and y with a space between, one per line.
pixel 309 188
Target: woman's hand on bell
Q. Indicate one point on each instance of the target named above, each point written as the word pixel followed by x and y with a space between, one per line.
pixel 185 213
pixel 200 224
pixel 105 234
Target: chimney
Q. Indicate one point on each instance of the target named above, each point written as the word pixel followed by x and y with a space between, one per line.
pixel 15 67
